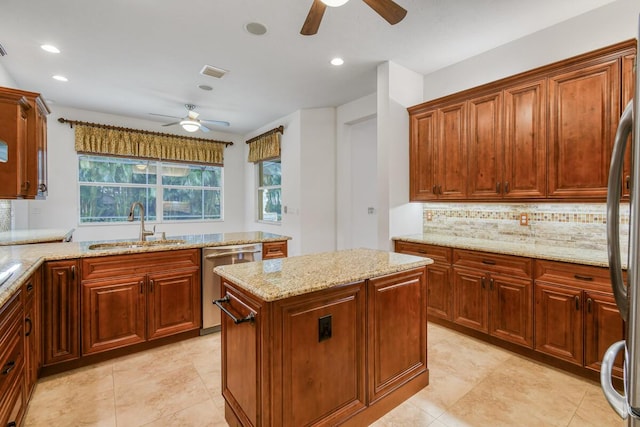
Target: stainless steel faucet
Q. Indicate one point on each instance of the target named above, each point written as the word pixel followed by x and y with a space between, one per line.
pixel 143 233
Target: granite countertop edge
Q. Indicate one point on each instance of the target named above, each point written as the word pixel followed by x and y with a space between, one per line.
pixel 592 257
pixel 29 257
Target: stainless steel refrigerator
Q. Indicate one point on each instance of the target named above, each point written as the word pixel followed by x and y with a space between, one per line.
pixel 627 295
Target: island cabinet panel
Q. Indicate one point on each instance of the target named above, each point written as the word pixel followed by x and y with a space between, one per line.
pixel 272 250
pixel 323 356
pixel 12 362
pixel 439 276
pixel 584 111
pixel 396 303
pixel 61 310
pixel 113 313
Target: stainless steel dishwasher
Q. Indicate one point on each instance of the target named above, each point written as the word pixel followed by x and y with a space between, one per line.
pixel 211 258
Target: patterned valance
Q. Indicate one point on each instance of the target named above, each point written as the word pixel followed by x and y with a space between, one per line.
pixel 265 146
pixel 93 138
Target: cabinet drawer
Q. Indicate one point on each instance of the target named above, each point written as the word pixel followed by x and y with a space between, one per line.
pixel 11 355
pixel 436 253
pixel 580 276
pixel 505 264
pixel 274 250
pixel 8 313
pixel 129 264
pixel 13 403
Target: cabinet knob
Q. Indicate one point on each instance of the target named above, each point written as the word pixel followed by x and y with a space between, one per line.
pixel 491 284
pixel 42 188
pixel 8 367
pixel 151 283
pixel 141 286
pixel 577 299
pixel 589 302
pixel 482 282
pixel 498 187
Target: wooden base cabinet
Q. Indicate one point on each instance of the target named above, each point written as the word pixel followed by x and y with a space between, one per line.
pixel 31 291
pixel 326 358
pixel 576 315
pixel 129 299
pixel 12 369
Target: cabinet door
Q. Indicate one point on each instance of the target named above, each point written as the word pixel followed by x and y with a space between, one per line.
pixel 14 114
pixel 525 140
pixel 422 157
pixel 173 302
pixel 439 291
pixel 397 331
pixel 485 147
pixel 511 308
pixel 470 299
pixel 323 356
pixel 271 250
pixel 61 312
pixel 558 317
pixel 628 88
pixel 451 154
pixel 584 113
pixel 603 326
pixel 113 313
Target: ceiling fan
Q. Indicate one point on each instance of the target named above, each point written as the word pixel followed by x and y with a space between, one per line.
pixel 388 9
pixel 190 122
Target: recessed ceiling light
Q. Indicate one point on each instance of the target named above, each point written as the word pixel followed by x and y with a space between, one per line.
pixel 334 3
pixel 256 28
pixel 50 48
pixel 337 61
pixel 205 87
pixel 61 78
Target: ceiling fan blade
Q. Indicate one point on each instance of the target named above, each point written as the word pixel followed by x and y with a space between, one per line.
pixel 171 124
pixel 388 9
pixel 216 122
pixel 164 115
pixel 203 128
pixel 312 23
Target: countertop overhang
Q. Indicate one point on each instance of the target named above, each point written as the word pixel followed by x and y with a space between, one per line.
pixel 281 278
pixel 25 259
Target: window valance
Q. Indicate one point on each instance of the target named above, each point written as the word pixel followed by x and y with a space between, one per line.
pixel 92 138
pixel 265 146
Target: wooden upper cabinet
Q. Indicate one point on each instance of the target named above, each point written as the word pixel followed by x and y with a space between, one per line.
pixel 525 140
pixel 422 157
pixel 451 152
pixel 628 87
pixel 584 113
pixel 485 147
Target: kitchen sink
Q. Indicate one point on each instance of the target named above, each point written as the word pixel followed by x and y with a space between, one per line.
pixel 134 245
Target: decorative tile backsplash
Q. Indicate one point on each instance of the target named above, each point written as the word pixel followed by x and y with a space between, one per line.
pixel 571 225
pixel 5 215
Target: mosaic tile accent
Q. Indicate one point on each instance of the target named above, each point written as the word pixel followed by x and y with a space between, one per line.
pixel 568 225
pixel 5 215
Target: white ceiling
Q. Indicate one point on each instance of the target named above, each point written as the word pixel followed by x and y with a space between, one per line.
pixel 135 57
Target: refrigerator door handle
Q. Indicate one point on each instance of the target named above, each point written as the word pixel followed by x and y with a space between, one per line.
pixel 617 401
pixel 613 210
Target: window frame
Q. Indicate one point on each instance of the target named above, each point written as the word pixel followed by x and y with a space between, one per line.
pixel 259 188
pixel 158 186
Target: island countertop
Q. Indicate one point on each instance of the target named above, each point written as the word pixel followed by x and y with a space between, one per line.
pixel 277 279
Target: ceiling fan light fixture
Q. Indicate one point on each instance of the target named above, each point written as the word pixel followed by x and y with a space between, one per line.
pixel 190 125
pixel 334 3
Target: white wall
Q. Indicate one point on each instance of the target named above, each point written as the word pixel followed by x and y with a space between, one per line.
pixel 5 79
pixel 610 24
pixel 61 208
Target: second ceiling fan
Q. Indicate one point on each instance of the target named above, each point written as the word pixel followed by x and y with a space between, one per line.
pixel 388 9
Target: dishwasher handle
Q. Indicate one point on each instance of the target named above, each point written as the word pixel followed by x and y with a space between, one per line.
pixel 248 318
pixel 223 254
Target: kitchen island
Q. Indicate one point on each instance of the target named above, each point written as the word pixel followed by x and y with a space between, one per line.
pixel 336 338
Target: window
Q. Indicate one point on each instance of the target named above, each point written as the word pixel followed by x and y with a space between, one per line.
pixel 109 185
pixel 269 191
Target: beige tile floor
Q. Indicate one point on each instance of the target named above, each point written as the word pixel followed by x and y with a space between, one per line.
pixel 472 384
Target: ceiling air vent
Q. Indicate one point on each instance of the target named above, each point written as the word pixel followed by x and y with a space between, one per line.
pixel 208 70
pixel 2 51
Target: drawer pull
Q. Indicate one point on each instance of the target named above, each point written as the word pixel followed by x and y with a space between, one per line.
pixel 422 251
pixel 248 318
pixel 8 367
pixel 488 261
pixel 73 272
pixel 12 424
pixel 29 287
pixel 581 277
pixel 28 321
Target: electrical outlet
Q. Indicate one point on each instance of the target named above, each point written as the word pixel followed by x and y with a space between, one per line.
pixel 429 216
pixel 524 219
pixel 324 328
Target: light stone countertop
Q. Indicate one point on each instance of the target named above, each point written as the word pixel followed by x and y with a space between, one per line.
pixel 27 258
pixel 281 278
pixel 532 250
pixel 44 235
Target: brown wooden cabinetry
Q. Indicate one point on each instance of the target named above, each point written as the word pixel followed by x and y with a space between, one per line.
pixel 576 316
pixel 12 370
pixel 493 294
pixel 31 291
pixel 61 312
pixel 439 290
pixel 23 133
pixel 128 299
pixel 626 95
pixel 272 250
